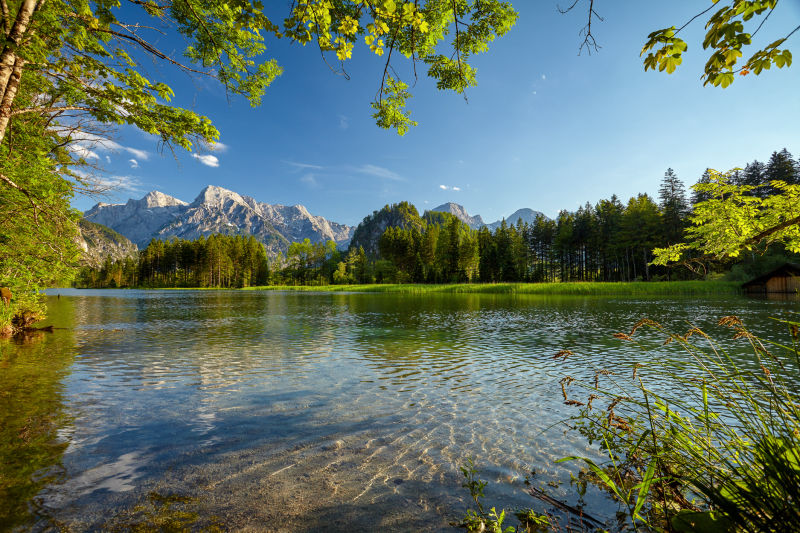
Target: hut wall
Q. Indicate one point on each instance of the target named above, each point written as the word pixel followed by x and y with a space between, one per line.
pixel 783 284
pixel 777 284
pixel 793 284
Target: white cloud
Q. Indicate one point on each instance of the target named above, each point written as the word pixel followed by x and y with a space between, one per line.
pixel 303 166
pixel 141 154
pixel 108 160
pixel 134 163
pixel 544 77
pixel 217 147
pixel 129 184
pixel 379 172
pixel 207 159
pixel 534 92
pixel 443 187
pixel 84 152
pixel 344 122
pixel 94 143
pixel 309 180
pixel 448 188
pixel 456 188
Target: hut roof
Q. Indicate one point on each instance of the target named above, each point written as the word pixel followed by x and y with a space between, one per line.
pixel 786 269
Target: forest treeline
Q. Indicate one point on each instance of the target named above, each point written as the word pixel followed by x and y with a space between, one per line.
pixel 607 241
pixel 214 261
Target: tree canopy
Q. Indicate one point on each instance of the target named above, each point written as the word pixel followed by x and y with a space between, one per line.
pixel 736 218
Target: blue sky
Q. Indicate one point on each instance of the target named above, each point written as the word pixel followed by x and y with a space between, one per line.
pixel 546 128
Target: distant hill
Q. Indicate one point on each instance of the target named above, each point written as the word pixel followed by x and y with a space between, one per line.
pixel 99 242
pixel 369 231
pixel 216 210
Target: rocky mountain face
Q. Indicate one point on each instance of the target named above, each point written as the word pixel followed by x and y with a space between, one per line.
pixel 461 214
pixel 99 242
pixel 217 210
pixel 475 222
pixel 526 215
pixel 138 220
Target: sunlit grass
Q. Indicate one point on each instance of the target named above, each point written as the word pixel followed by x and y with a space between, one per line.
pixel 663 288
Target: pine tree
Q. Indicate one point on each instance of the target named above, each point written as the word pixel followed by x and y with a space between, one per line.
pixel 701 196
pixel 753 176
pixel 672 196
pixel 782 167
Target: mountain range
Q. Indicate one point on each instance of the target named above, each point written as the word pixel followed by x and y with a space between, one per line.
pixel 476 222
pixel 216 210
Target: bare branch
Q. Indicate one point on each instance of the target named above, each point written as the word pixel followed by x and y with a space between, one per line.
pixel 589 41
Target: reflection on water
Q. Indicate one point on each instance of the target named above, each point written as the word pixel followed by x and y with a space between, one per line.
pixel 34 426
pixel 309 411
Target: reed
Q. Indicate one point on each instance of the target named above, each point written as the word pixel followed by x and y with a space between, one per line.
pixel 703 443
pixel 654 288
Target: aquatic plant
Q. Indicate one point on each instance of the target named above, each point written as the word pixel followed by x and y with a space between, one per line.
pixel 705 443
pixel 479 520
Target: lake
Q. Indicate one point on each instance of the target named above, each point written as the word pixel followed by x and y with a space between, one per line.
pixel 288 411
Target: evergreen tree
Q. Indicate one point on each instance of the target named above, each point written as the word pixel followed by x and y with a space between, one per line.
pixel 782 167
pixel 701 196
pixel 754 176
pixel 672 196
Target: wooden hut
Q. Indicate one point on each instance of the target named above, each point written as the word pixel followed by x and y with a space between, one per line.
pixel 784 279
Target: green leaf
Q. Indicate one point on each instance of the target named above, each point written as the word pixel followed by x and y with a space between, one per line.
pixel 644 488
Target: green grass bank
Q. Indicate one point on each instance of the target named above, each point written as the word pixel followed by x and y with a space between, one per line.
pixel 655 288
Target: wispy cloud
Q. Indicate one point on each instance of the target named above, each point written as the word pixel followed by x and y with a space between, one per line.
pixel 303 166
pixel 344 122
pixel 544 77
pixel 83 151
pixel 309 180
pixel 217 147
pixel 134 163
pixel 141 154
pixel 94 143
pixel 128 184
pixel 448 188
pixel 207 159
pixel 379 172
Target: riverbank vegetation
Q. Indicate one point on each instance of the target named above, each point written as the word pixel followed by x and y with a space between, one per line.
pixel 708 443
pixel 705 443
pixel 639 288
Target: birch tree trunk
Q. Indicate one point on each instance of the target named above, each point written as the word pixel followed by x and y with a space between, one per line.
pixel 11 63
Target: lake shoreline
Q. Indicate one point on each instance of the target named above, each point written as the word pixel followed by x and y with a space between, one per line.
pixel 623 288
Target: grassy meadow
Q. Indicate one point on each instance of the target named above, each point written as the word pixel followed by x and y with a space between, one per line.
pixel 652 288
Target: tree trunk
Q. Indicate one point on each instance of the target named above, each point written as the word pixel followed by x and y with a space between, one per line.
pixel 11 63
